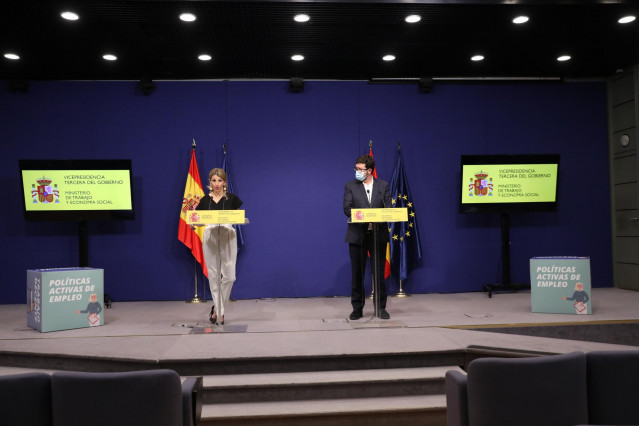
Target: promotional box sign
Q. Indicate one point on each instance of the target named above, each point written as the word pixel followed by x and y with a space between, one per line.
pixel 399 214
pixel 561 285
pixel 65 298
pixel 211 217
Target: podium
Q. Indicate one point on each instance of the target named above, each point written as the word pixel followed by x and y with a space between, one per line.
pixel 363 216
pixel 65 298
pixel 214 217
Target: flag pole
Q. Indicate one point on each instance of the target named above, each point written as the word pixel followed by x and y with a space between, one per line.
pixel 196 298
pixel 372 295
pixel 401 292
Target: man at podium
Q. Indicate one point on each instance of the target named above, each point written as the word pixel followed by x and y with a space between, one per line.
pixel 366 192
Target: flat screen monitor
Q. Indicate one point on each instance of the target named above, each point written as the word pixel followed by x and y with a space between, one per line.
pixel 76 189
pixel 504 183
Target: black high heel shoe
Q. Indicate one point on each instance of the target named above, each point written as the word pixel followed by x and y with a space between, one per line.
pixel 222 322
pixel 213 319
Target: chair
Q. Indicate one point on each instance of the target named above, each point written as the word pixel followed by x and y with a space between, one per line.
pixel 546 390
pixel 25 399
pixel 152 397
pixel 612 383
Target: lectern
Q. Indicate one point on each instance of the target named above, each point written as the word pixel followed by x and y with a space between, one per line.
pixel 364 216
pixel 216 217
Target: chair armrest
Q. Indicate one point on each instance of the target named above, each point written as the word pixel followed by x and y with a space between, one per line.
pixel 192 400
pixel 456 398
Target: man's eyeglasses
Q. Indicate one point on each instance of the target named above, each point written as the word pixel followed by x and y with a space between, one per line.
pixel 359 170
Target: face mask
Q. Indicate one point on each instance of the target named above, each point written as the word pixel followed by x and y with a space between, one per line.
pixel 360 176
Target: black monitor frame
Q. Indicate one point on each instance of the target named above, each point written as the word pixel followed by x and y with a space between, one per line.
pixel 77 215
pixel 508 159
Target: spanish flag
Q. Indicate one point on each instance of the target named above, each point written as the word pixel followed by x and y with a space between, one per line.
pixel 193 193
pixel 387 261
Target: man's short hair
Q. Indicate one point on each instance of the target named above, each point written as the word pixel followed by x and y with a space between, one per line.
pixel 366 159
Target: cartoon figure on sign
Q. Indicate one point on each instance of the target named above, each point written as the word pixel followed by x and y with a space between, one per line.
pixel 581 298
pixel 93 309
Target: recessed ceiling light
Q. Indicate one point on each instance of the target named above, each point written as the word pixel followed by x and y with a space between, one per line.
pixel 297 57
pixel 389 58
pixel 204 57
pixel 477 58
pixel 411 19
pixel 627 19
pixel 70 16
pixel 109 57
pixel 563 58
pixel 188 17
pixel 11 56
pixel 302 18
pixel 521 20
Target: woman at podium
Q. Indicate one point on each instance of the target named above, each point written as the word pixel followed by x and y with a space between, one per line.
pixel 219 244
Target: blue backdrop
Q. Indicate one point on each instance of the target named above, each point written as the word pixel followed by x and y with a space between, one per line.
pixel 291 154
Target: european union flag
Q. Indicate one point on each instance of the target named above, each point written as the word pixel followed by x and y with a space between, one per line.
pixel 405 247
pixel 226 166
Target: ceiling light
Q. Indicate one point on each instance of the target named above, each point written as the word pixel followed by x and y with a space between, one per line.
pixel 188 17
pixel 302 18
pixel 12 56
pixel 70 16
pixel 626 19
pixel 411 19
pixel 563 58
pixel 477 58
pixel 389 58
pixel 109 57
pixel 297 57
pixel 521 20
pixel 204 57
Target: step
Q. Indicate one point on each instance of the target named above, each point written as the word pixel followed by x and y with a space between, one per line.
pixel 420 409
pixel 238 388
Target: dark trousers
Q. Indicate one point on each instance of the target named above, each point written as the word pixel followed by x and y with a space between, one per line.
pixel 359 255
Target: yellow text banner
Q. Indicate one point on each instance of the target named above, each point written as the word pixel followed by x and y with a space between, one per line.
pixel 212 217
pixel 399 214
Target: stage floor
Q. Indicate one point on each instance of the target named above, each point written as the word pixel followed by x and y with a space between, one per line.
pixel 178 331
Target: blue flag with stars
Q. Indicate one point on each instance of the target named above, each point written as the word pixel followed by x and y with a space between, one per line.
pixel 226 166
pixel 405 247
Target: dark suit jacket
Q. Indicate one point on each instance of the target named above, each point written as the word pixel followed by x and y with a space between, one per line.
pixel 355 197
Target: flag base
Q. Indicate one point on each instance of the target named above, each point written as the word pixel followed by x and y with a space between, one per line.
pixel 195 299
pixel 400 293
